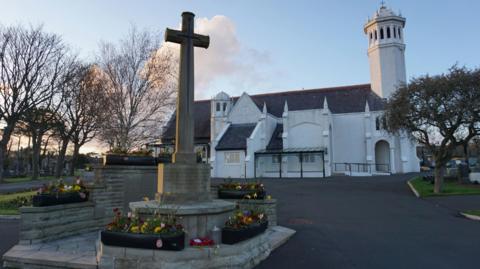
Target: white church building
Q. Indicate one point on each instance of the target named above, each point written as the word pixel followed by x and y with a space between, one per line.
pixel 311 133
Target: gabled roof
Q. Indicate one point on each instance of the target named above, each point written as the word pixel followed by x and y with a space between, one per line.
pixel 276 141
pixel 235 137
pixel 347 99
pixel 202 124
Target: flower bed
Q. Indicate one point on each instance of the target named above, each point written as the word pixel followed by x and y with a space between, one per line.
pixel 159 232
pixel 59 193
pixel 243 225
pixel 201 242
pixel 118 157
pixel 174 242
pixel 241 191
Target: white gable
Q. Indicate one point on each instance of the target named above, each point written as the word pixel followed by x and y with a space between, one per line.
pixel 244 111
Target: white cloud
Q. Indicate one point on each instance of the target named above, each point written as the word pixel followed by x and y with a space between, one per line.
pixel 226 60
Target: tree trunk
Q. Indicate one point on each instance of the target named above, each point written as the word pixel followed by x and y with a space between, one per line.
pixel 439 172
pixel 61 159
pixel 76 150
pixel 7 133
pixel 36 147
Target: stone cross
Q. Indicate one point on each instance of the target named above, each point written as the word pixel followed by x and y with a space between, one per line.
pixel 185 131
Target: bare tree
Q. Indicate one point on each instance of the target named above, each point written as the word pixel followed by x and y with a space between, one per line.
pixel 36 123
pixel 82 113
pixel 31 64
pixel 87 110
pixel 139 84
pixel 441 112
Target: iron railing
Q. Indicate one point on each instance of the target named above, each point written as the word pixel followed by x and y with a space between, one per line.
pixel 368 168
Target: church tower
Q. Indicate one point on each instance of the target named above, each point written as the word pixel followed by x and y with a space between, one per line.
pixel 386 51
pixel 220 107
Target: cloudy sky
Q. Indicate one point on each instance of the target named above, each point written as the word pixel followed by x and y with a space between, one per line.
pixel 261 46
pixel 269 45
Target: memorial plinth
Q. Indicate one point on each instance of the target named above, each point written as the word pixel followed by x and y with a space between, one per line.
pixel 198 219
pixel 184 183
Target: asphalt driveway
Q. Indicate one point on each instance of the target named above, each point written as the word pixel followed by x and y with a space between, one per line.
pixel 372 222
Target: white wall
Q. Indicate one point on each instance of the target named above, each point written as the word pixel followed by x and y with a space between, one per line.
pixel 348 138
pixel 213 153
pixel 306 127
pixel 230 170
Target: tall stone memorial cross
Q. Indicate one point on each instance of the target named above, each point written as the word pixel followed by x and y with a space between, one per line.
pixel 185 181
pixel 185 126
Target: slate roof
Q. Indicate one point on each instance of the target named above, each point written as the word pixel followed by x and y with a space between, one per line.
pixel 235 137
pixel 202 124
pixel 276 142
pixel 346 99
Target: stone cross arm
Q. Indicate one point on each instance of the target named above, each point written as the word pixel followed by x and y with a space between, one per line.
pixel 179 37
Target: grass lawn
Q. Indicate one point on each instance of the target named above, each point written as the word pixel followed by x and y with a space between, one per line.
pixel 9 203
pixel 425 189
pixel 29 178
pixel 25 179
pixel 473 212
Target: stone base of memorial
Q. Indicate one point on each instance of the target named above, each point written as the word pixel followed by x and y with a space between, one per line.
pixel 232 236
pixel 124 159
pixel 174 242
pixel 59 198
pixel 239 194
pixel 246 254
pixel 198 219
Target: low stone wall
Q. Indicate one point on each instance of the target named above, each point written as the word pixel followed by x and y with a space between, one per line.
pixel 269 206
pixel 243 255
pixel 115 186
pixel 41 224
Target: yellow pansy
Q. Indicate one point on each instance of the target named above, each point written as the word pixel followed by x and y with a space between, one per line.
pixel 144 227
pixel 134 229
pixel 157 229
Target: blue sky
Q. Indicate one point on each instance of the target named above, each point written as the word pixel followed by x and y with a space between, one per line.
pixel 282 45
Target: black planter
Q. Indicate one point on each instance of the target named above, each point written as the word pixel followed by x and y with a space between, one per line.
pixel 58 199
pixel 239 194
pixel 233 236
pixel 117 159
pixel 174 242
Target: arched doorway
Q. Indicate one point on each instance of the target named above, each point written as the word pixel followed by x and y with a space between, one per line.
pixel 382 156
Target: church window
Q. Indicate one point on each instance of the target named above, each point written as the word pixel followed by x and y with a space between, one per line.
pixel 384 123
pixel 375 34
pixel 377 123
pixel 399 35
pixel 371 36
pixel 388 32
pixel 394 32
pixel 224 106
pixel 308 158
pixel 232 157
pixel 381 33
pixel 218 106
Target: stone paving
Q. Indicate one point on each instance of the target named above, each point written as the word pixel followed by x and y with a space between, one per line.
pixel 73 252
